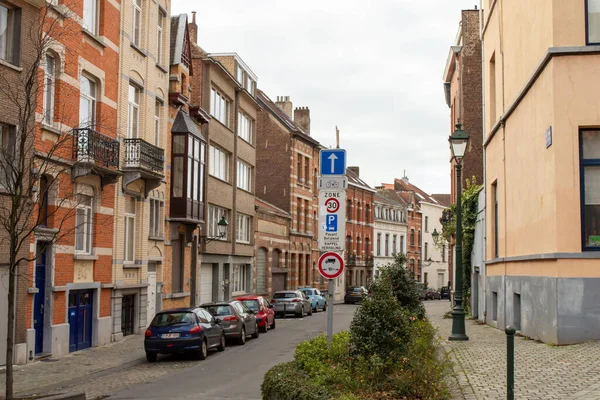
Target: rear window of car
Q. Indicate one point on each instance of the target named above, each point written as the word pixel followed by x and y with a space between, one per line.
pixel 308 292
pixel 173 318
pixel 284 295
pixel 219 311
pixel 355 290
pixel 251 304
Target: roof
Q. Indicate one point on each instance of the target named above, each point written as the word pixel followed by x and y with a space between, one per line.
pixel 270 207
pixel 390 196
pixel 285 119
pixel 443 199
pixel 184 124
pixel 353 179
pixel 178 39
pixel 406 186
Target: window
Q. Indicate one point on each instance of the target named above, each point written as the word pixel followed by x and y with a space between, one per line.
pixel 245 127
pixel 49 89
pixel 299 169
pixel 137 23
pixel 244 178
pixel 412 268
pixel 495 218
pixel 177 272
pixel 156 218
pixel 593 21
pixel 215 214
pixel 306 216
pixel 443 254
pixel 90 16
pixel 133 125
pixel 240 278
pixel 10 25
pixel 349 210
pixel 368 214
pixel 420 239
pixel 387 244
pixel 7 151
pixel 159 36
pixel 83 224
pixel 426 224
pixel 43 201
pixel 219 163
pixel 195 169
pixel 492 79
pixel 379 244
pixel 426 251
pixel 244 227
pixel 590 190
pixel 219 107
pixel 412 237
pixel 178 157
pixel 394 243
pixel 87 102
pixel 129 230
pixel 401 244
pixel 306 171
pixel 158 104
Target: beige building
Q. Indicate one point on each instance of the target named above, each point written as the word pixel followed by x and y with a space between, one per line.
pixel 542 171
pixel 139 215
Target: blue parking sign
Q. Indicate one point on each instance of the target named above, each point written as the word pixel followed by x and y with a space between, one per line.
pixel 331 223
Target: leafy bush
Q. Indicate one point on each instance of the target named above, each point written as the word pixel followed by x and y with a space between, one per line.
pixel 288 381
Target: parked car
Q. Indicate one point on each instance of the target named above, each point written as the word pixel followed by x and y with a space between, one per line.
pixel 265 316
pixel 237 320
pixel 445 292
pixel 433 294
pixel 354 294
pixel 291 301
pixel 317 300
pixel 183 330
pixel 422 291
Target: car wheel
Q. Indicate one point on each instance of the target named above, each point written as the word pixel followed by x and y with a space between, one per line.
pixel 256 333
pixel 203 352
pixel 221 346
pixel 325 307
pixel 151 357
pixel 310 311
pixel 273 324
pixel 266 327
pixel 242 338
pixel 301 313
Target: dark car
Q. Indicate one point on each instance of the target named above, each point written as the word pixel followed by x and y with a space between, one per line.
pixel 354 294
pixel 445 292
pixel 237 320
pixel 433 294
pixel 262 309
pixel 183 330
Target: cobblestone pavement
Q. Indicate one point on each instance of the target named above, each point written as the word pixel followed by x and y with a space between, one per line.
pixel 541 371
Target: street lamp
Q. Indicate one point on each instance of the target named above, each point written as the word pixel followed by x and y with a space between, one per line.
pixel 221 231
pixel 458 144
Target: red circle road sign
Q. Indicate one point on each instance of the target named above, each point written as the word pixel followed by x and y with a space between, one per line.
pixel 331 265
pixel 332 205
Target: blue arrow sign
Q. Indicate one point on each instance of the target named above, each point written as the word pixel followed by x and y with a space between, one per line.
pixel 332 162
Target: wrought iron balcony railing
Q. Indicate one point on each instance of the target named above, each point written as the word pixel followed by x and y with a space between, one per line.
pixel 139 153
pixel 93 147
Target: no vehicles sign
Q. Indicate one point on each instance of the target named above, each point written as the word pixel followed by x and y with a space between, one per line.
pixel 331 265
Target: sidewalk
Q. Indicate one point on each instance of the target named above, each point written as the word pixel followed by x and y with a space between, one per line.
pixel 541 371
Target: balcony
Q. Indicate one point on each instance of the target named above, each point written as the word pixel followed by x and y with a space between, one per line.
pixel 143 161
pixel 95 154
pixel 359 261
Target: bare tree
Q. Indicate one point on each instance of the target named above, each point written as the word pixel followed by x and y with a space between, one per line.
pixel 31 168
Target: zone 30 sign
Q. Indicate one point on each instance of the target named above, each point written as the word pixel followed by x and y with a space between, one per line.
pixel 332 221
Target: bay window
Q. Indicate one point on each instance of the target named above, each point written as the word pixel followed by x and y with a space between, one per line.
pixel 590 190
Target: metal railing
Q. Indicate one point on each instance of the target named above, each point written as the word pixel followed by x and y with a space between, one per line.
pixel 90 146
pixel 139 153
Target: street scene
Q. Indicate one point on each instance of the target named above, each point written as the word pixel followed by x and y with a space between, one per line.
pixel 336 200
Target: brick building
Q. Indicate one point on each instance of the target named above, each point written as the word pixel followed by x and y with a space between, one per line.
pixel 226 86
pixel 287 167
pixel 272 243
pixel 359 230
pixel 413 210
pixel 139 214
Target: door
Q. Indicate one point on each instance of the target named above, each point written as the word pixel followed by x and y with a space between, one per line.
pixel 128 314
pixel 278 281
pixel 80 319
pixel 40 296
pixel 151 310
pixel 206 283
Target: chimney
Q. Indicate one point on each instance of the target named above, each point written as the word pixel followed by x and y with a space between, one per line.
pixel 285 104
pixel 302 118
pixel 355 170
pixel 193 29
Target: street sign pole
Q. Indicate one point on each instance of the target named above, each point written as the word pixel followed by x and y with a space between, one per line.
pixel 330 289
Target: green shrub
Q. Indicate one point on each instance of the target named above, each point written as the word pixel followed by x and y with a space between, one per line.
pixel 288 381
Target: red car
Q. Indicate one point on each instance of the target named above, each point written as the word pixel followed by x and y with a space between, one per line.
pixel 262 309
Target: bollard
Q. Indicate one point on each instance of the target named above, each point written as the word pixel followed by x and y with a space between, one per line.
pixel 510 362
pixel 284 309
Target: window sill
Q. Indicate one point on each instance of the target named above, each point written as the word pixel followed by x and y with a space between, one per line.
pixel 178 295
pixel 95 38
pixel 131 266
pixel 163 69
pixel 156 238
pixel 220 180
pixel 10 65
pixel 244 190
pixel 45 230
pixel 225 126
pixel 241 242
pixel 136 48
pixel 50 128
pixel 85 257
pixel 247 142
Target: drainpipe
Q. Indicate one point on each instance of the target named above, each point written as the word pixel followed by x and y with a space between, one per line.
pixel 484 255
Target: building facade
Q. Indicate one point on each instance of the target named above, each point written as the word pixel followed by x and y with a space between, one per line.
pixel 139 213
pixel 542 231
pixel 287 165
pixel 415 237
pixel 435 272
pixel 390 228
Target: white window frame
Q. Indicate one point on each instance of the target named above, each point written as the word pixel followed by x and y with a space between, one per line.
pixel 133 111
pixel 89 100
pixel 219 107
pixel 243 231
pixel 244 176
pixel 129 229
pixel 162 16
pixel 239 278
pixel 49 88
pixel 158 106
pixel 137 23
pixel 6 44
pixel 218 163
pixel 245 128
pixel 157 207
pixel 84 223
pixel 90 16
pixel 215 213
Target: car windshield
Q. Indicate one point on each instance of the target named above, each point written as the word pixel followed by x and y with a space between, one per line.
pixel 219 311
pixel 356 290
pixel 308 292
pixel 284 295
pixel 252 304
pixel 173 318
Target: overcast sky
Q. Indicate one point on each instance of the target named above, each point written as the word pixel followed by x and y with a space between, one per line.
pixel 373 68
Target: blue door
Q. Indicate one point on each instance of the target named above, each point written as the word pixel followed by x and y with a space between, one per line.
pixel 40 296
pixel 80 319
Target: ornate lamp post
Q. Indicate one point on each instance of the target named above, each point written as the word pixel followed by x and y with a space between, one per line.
pixel 458 144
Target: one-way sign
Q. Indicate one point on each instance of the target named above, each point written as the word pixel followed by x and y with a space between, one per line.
pixel 332 162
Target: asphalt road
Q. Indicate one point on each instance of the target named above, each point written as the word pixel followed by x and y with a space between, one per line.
pixel 237 373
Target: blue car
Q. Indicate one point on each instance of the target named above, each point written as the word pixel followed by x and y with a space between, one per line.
pixel 317 300
pixel 183 330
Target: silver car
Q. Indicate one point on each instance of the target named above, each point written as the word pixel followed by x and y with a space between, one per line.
pixel 291 302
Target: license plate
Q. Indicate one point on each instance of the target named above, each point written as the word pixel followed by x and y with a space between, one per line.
pixel 169 335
